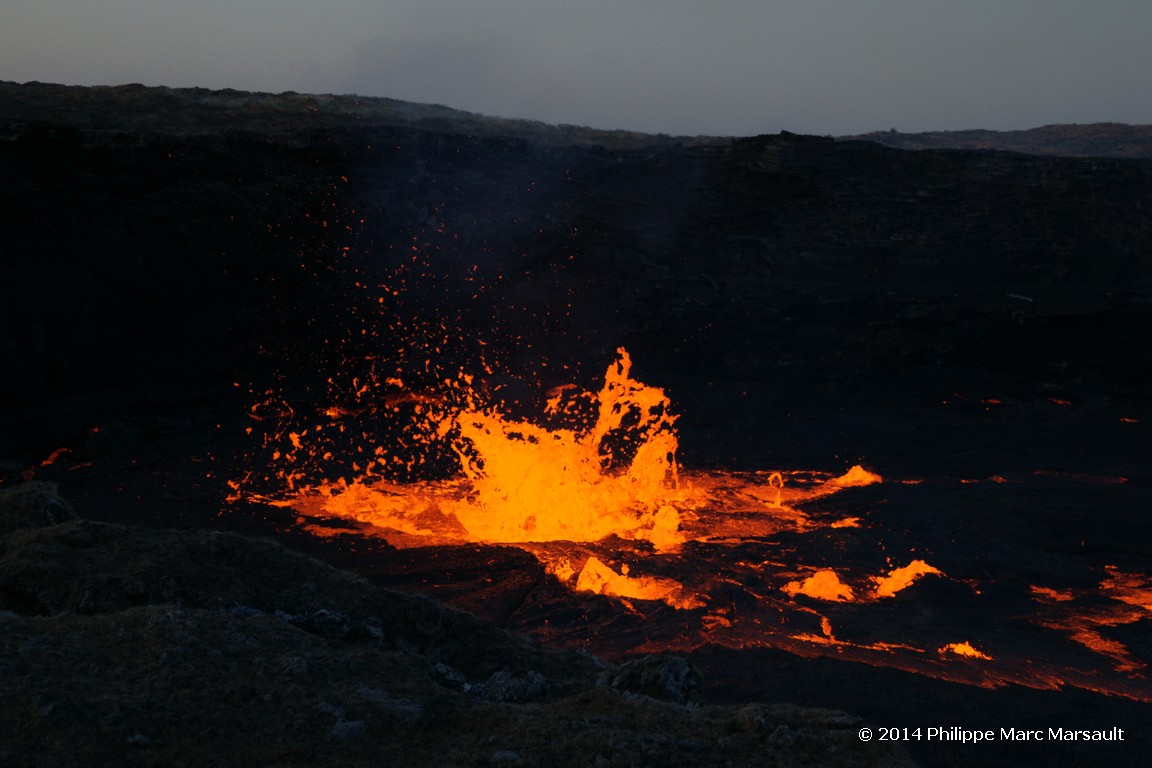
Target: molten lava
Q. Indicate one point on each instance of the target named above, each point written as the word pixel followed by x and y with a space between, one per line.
pixel 825 585
pixel 530 483
pixel 900 578
pixel 597 577
pixel 615 474
pixel 593 490
pixel 965 649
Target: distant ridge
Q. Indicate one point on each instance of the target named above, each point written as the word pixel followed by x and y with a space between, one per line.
pixel 143 109
pixel 1068 140
pixel 137 108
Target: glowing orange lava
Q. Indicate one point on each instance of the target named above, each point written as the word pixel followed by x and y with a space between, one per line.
pixel 825 585
pixel 901 578
pixel 615 475
pixel 530 483
pixel 593 490
pixel 597 577
pixel 1085 620
pixel 965 649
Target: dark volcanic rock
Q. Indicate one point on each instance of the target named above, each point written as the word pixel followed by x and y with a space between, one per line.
pixel 129 646
pixel 671 679
pixel 1075 140
pixel 33 505
pixel 165 241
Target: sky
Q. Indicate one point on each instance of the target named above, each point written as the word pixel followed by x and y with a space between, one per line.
pixel 682 67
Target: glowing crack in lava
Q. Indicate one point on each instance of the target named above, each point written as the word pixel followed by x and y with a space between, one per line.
pixel 742 559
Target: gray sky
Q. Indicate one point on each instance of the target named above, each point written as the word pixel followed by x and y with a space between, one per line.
pixel 674 66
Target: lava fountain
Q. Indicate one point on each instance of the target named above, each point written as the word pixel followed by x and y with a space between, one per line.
pixel 530 483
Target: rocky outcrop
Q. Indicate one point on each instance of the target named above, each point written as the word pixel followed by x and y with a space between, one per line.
pixel 129 646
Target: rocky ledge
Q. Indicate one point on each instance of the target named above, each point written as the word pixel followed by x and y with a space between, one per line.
pixel 138 646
